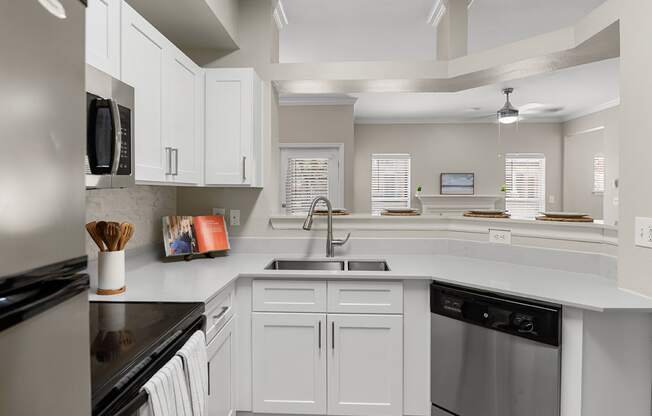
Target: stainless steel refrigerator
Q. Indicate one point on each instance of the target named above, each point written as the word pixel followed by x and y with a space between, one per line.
pixel 44 331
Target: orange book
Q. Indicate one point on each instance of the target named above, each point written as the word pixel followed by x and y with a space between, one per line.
pixel 211 233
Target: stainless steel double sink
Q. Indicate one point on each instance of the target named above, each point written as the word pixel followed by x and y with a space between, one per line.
pixel 334 265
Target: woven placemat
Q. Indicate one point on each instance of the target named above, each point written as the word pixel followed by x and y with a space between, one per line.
pixel 400 214
pixel 561 219
pixel 472 215
pixel 323 214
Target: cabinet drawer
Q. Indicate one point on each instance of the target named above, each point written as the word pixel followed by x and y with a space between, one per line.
pixel 289 296
pixel 365 297
pixel 218 312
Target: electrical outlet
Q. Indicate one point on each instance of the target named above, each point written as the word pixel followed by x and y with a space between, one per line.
pixel 234 217
pixel 500 236
pixel 552 199
pixel 219 211
pixel 643 232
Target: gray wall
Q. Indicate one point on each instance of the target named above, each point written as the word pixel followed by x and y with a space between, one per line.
pixel 437 148
pixel 579 151
pixel 636 125
pixel 322 124
pixel 607 123
pixel 142 206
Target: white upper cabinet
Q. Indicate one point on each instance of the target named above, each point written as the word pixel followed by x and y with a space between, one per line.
pixel 233 127
pixel 169 90
pixel 143 56
pixel 103 35
pixel 183 124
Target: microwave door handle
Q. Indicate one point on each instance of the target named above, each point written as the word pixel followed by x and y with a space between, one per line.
pixel 117 128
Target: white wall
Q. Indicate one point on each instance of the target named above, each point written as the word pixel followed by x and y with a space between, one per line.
pixel 636 126
pixel 322 124
pixel 437 148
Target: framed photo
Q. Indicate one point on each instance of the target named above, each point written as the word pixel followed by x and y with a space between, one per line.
pixel 457 183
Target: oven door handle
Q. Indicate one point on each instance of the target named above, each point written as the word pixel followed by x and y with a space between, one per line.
pixel 117 138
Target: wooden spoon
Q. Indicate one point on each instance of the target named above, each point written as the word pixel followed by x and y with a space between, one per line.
pixel 101 229
pixel 112 235
pixel 127 232
pixel 91 227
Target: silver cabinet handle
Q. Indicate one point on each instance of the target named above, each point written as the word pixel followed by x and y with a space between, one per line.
pixel 244 168
pixel 333 337
pixel 168 161
pixel 320 334
pixel 176 161
pixel 115 115
pixel 221 314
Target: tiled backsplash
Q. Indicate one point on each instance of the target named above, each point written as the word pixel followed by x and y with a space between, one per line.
pixel 142 206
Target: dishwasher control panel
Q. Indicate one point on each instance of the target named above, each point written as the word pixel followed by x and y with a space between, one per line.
pixel 520 317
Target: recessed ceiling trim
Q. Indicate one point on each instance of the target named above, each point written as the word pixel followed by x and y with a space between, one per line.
pixel 309 99
pixel 280 18
pixel 430 120
pixel 593 110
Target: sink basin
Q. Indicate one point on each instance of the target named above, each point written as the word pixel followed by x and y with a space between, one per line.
pixel 305 265
pixel 337 265
pixel 368 266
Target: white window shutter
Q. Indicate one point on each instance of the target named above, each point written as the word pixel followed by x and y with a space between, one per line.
pixel 525 180
pixel 598 174
pixel 306 179
pixel 390 181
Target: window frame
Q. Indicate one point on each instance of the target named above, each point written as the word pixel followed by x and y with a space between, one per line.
pixel 336 191
pixel 543 198
pixel 400 156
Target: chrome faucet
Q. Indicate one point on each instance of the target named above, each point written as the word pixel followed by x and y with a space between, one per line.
pixel 330 242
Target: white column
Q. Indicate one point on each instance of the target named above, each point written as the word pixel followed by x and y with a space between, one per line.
pixel 453 31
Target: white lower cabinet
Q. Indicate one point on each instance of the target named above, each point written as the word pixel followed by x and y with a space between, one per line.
pixel 289 363
pixel 365 365
pixel 221 372
pixel 331 363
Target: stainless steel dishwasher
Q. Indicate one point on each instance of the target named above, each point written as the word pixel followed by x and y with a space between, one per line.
pixel 493 355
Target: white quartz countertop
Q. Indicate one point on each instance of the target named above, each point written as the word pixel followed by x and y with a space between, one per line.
pixel 151 280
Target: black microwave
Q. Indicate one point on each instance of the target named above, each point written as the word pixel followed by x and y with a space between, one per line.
pixel 109 131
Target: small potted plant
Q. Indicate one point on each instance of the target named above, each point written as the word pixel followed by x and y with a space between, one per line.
pixel 418 190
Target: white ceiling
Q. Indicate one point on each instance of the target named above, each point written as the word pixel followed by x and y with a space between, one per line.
pixel 574 91
pixel 369 30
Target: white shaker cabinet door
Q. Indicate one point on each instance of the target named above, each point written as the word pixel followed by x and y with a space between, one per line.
pixel 365 365
pixel 221 372
pixel 230 126
pixel 289 363
pixel 103 35
pixel 144 52
pixel 183 124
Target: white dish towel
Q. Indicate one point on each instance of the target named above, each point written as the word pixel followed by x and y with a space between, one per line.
pixel 168 391
pixel 194 357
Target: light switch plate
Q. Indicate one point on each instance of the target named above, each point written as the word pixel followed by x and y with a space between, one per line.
pixel 219 211
pixel 500 236
pixel 234 217
pixel 643 232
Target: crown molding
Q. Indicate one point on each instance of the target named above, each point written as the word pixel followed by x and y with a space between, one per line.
pixel 310 99
pixel 451 120
pixel 592 110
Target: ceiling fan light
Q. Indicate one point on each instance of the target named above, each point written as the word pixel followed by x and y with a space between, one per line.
pixel 507 116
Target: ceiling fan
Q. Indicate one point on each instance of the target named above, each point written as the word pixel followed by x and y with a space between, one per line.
pixel 510 114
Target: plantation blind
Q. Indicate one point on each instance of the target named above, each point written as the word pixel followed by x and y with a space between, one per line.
pixel 306 179
pixel 390 181
pixel 598 174
pixel 525 180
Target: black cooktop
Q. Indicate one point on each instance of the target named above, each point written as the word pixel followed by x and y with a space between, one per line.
pixel 124 334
